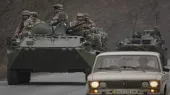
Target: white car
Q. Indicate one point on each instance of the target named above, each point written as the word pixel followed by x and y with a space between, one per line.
pixel 128 73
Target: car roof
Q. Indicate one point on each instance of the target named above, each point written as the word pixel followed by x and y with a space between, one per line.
pixel 129 53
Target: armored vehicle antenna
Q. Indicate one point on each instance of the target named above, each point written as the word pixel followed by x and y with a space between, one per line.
pixel 135 23
pixel 136 18
pixel 157 17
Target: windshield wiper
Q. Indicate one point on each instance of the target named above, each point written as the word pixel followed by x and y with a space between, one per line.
pixel 135 68
pixel 111 68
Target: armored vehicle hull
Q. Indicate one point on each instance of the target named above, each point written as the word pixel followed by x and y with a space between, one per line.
pixel 50 60
pixel 145 43
pixel 43 52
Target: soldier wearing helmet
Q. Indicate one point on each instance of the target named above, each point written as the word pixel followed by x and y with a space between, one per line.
pixel 157 32
pixel 25 15
pixel 97 36
pixel 79 19
pixel 33 20
pixel 88 21
pixel 79 22
pixel 58 7
pixel 59 15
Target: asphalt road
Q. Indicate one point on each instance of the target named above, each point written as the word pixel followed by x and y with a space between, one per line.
pixel 48 84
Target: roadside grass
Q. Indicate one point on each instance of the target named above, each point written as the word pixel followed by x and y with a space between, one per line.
pixel 3 71
pixel 3 68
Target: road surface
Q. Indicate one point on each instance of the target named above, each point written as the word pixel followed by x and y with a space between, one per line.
pixel 48 84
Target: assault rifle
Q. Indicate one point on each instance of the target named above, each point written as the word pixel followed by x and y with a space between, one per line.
pixel 70 28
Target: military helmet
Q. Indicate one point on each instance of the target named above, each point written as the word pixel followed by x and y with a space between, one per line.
pixel 34 14
pixel 25 12
pixel 156 27
pixel 86 15
pixel 58 6
pixel 80 15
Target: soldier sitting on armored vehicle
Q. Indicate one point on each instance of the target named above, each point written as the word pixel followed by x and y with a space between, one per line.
pixel 85 27
pixel 136 35
pixel 25 15
pixel 77 25
pixel 157 32
pixel 89 26
pixel 59 15
pixel 88 20
pixel 29 23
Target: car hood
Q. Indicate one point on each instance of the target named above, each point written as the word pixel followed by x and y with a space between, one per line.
pixel 125 75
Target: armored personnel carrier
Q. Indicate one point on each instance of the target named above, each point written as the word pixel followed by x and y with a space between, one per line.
pixel 47 49
pixel 144 41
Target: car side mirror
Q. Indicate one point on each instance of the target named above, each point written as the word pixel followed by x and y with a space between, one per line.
pixel 97 53
pixel 166 68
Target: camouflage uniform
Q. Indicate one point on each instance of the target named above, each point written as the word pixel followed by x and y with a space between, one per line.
pixel 88 30
pixel 79 21
pixel 33 20
pixel 25 15
pixel 85 24
pixel 88 26
pixel 104 39
pixel 88 21
pixel 59 15
pixel 98 37
pixel 157 32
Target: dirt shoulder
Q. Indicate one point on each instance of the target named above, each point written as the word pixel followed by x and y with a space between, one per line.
pixel 3 72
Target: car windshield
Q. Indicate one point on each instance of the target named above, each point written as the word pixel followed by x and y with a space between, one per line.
pixel 127 62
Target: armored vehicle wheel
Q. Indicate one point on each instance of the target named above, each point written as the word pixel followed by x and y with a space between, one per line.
pixel 12 77
pixel 24 77
pixel 165 91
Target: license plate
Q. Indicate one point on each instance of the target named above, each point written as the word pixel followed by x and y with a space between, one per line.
pixel 125 91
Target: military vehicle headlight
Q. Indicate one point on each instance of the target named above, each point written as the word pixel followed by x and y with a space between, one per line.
pixel 30 42
pixel 94 84
pixel 17 40
pixel 64 49
pixel 154 84
pixel 70 49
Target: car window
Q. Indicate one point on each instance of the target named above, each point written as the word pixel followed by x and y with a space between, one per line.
pixel 135 62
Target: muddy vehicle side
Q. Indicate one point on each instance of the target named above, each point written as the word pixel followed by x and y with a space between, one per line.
pixel 47 50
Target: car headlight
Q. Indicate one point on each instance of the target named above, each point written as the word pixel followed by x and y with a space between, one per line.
pixel 102 84
pixel 145 84
pixel 94 84
pixel 154 84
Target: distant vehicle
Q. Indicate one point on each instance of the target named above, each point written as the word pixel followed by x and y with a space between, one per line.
pixel 47 50
pixel 144 41
pixel 128 73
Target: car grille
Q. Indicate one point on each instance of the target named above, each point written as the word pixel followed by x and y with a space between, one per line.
pixel 124 84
